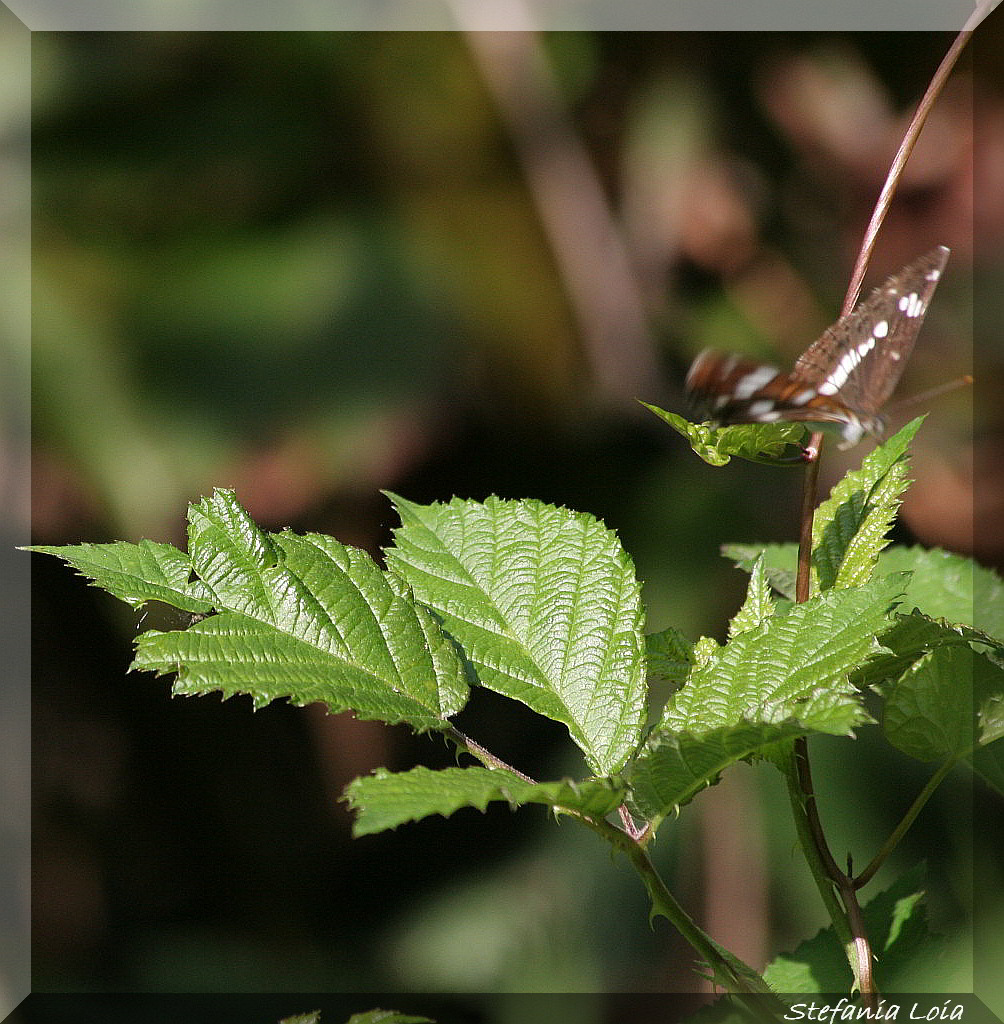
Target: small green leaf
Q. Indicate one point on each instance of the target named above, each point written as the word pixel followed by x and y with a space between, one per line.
pixel 231 554
pixel 544 603
pixel 782 678
pixel 758 606
pixel 673 767
pixel 849 528
pixel 988 684
pixel 909 637
pixel 137 573
pixel 764 443
pixel 386 1017
pixel 896 923
pixel 941 584
pixel 668 655
pixel 947 703
pixel 706 651
pixel 387 799
pixel 780 563
pixel 912 637
pixel 793 667
pixel 313 1017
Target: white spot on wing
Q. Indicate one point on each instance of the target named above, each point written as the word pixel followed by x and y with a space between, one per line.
pixel 881 329
pixel 760 409
pixel 754 381
pixel 848 362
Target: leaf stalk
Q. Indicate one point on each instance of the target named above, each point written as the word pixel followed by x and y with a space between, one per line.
pixel 905 822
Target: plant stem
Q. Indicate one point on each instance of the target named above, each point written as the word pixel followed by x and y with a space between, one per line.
pixel 486 757
pixel 829 879
pixel 884 201
pixel 803 577
pixel 848 923
pixel 819 872
pixel 728 970
pixel 905 822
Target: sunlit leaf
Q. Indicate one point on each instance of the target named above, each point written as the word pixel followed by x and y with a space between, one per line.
pixel 791 667
pixel 758 606
pixel 668 655
pixel 387 799
pixel 946 704
pixel 138 573
pixel 300 617
pixel 544 603
pixel 850 528
pixel 764 443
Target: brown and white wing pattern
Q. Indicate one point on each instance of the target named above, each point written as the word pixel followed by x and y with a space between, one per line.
pixel 843 378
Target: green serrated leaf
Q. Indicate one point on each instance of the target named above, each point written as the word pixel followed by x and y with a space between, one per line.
pixel 138 573
pixel 668 655
pixel 896 923
pixel 386 799
pixel 910 637
pixel 763 443
pixel 849 528
pixel 758 606
pixel 231 554
pixel 706 651
pixel 308 619
pixel 989 693
pixel 544 603
pixel 938 583
pixel 947 586
pixel 313 1017
pixel 779 679
pixel 791 668
pixel 946 704
pixel 780 563
pixel 674 767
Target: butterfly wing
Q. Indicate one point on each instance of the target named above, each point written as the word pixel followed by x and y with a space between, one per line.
pixel 862 356
pixel 727 389
pixel 841 381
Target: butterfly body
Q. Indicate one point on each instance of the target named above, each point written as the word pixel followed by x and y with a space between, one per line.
pixel 841 381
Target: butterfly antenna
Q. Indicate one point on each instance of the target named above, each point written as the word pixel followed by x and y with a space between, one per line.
pixel 924 396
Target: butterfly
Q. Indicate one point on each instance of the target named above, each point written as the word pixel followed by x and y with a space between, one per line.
pixel 842 380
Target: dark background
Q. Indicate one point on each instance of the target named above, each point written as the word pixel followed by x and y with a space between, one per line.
pixel 310 266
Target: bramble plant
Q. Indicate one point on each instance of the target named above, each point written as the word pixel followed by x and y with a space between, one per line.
pixel 541 604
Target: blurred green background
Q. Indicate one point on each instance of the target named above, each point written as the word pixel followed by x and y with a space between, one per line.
pixel 310 266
